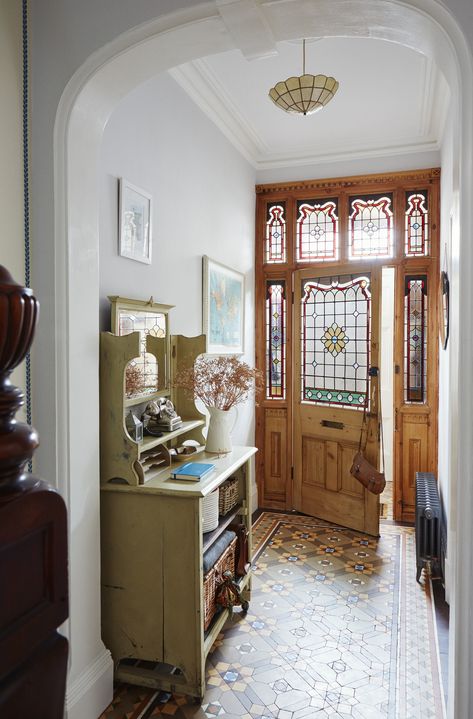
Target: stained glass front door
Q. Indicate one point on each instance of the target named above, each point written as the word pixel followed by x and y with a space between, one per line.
pixel 336 344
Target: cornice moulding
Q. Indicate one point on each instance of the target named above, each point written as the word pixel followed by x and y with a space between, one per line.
pixel 199 81
pixel 216 104
pixel 273 162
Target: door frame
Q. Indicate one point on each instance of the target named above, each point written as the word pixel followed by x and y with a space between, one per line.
pixel 274 417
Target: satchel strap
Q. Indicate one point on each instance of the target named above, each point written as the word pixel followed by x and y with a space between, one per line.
pixel 364 424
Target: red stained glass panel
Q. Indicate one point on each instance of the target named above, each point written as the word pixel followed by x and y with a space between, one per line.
pixel 371 226
pixel 415 338
pixel 275 248
pixel 317 230
pixel 276 339
pixel 335 340
pixel 417 224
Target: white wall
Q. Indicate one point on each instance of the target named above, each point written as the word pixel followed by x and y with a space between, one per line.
pixel 448 379
pixel 11 175
pixel 203 204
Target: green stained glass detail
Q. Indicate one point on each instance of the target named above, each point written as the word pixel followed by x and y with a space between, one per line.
pixel 356 399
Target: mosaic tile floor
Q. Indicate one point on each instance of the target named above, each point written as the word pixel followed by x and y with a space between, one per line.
pixel 337 628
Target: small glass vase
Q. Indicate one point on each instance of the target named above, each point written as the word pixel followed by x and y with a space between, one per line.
pixel 218 435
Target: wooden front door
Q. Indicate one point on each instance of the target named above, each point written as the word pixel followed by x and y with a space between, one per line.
pixel 332 227
pixel 336 348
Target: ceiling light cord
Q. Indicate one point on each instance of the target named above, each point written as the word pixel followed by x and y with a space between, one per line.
pixel 303 57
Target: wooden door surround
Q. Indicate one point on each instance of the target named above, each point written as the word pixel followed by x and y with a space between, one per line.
pixel 415 363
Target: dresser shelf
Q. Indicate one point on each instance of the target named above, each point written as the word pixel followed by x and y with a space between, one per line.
pixel 224 522
pixel 120 455
pixel 150 442
pixel 152 572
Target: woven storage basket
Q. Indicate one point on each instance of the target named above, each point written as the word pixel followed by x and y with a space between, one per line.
pixel 228 496
pixel 226 562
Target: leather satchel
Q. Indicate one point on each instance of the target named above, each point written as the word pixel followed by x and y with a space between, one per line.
pixel 242 565
pixel 369 476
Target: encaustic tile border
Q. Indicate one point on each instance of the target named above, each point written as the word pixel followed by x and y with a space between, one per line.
pixel 415 661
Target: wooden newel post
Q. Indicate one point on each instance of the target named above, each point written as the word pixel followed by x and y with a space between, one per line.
pixel 33 540
pixel 18 316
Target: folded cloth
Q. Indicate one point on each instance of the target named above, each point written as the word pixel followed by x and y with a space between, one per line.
pixel 214 552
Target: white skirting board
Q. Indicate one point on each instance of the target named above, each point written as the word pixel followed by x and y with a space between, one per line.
pixel 91 693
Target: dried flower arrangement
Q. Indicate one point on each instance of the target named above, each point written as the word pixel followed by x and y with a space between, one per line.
pixel 134 380
pixel 221 382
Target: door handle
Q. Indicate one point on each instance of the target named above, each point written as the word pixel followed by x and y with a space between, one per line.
pixel 332 425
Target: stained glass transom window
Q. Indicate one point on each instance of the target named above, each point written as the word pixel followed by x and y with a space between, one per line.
pixel 335 340
pixel 417 224
pixel 317 230
pixel 146 323
pixel 276 233
pixel 415 338
pixel 371 226
pixel 276 339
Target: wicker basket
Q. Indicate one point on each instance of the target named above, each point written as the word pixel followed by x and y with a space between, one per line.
pixel 228 496
pixel 226 562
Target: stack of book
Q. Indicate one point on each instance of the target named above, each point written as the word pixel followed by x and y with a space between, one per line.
pixel 192 471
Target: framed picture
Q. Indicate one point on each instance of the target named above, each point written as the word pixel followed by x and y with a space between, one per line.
pixel 134 239
pixel 223 294
pixel 444 308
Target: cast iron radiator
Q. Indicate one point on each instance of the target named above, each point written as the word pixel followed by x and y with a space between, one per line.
pixel 428 514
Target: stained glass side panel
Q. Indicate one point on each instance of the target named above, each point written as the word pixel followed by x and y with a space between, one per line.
pixel 146 323
pixel 417 225
pixel 415 338
pixel 370 226
pixel 335 340
pixel 317 230
pixel 275 247
pixel 276 339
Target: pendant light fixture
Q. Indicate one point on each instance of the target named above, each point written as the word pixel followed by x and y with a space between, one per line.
pixel 305 94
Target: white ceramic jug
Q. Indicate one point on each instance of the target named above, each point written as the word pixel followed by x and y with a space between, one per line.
pixel 218 435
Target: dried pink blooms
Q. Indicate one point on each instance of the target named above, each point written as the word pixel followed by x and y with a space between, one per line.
pixel 221 382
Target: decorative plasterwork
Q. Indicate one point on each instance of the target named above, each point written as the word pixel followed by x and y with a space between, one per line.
pixel 201 83
pixel 248 27
pixel 434 102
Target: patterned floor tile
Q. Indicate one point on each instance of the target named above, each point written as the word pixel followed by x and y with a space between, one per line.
pixel 338 628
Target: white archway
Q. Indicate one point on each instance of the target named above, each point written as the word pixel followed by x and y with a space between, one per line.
pixel 85 107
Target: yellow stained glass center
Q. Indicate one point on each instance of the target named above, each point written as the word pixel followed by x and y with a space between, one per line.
pixel 334 339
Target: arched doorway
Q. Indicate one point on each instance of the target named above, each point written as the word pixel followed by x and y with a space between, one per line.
pixel 85 107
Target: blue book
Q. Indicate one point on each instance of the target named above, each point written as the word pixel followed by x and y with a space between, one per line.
pixel 192 470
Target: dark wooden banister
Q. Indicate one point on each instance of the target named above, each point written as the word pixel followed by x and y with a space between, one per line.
pixel 33 540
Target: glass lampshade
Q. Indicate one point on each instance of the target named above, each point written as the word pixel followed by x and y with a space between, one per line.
pixel 305 94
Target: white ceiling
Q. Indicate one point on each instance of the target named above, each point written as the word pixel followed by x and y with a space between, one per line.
pixel 391 100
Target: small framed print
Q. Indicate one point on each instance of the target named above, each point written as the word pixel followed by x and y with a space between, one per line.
pixel 223 296
pixel 444 308
pixel 134 239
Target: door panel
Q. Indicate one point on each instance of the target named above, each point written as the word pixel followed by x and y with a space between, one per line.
pixel 416 383
pixel 415 456
pixel 336 330
pixel 275 466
